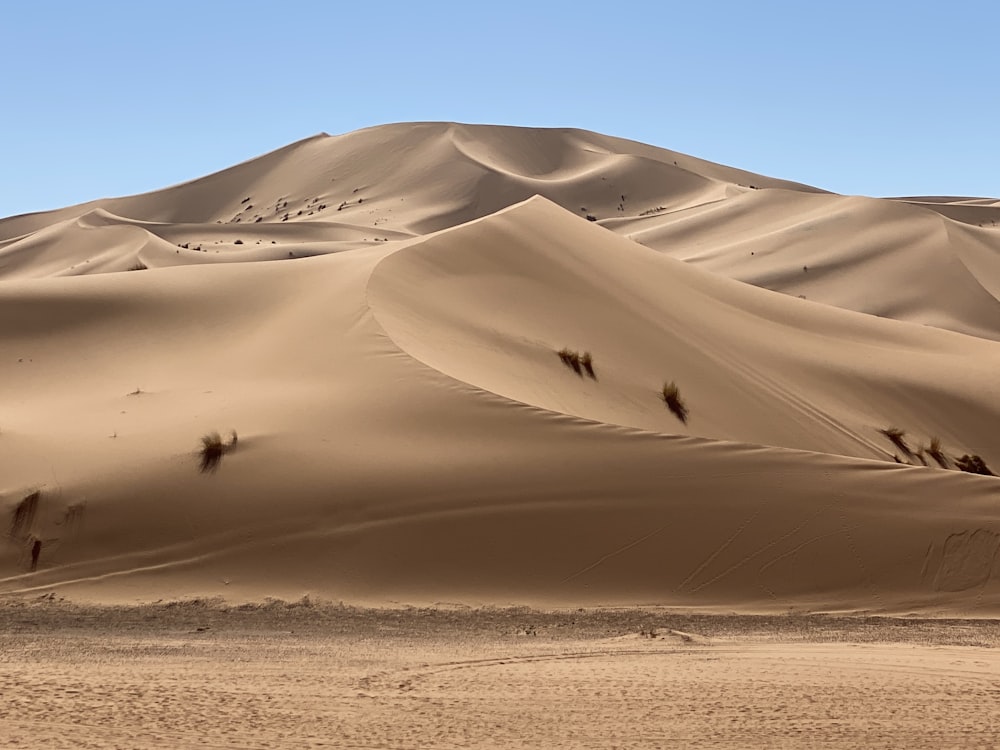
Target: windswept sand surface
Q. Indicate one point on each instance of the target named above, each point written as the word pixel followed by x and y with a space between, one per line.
pixel 378 315
pixel 308 675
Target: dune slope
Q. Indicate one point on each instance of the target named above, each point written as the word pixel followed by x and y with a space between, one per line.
pixel 914 259
pixel 407 432
pixel 396 421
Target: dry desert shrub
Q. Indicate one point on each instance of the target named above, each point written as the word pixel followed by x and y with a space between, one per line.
pixel 211 452
pixel 672 398
pixel 571 359
pixel 898 438
pixel 213 449
pixel 935 452
pixel 578 363
pixel 974 465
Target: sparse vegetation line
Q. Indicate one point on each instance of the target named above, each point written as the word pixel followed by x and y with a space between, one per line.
pixel 971 463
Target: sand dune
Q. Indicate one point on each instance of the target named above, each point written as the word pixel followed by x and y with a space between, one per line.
pixel 407 431
pixel 914 259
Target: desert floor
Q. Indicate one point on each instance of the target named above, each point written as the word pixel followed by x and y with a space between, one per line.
pixel 202 674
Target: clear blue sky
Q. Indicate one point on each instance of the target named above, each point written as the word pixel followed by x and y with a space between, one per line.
pixel 111 98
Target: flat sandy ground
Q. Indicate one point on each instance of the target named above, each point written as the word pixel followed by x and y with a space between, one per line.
pixel 307 675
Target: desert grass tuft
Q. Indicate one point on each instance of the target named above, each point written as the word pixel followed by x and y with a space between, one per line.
pixel 898 438
pixel 935 452
pixel 572 360
pixel 213 449
pixel 587 362
pixel 672 398
pixel 974 465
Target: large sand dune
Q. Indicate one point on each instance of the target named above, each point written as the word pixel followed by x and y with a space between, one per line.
pixel 407 431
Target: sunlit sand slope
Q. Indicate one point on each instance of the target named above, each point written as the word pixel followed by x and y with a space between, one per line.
pixel 407 432
pixel 925 260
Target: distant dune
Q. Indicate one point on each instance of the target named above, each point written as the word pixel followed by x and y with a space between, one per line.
pixel 765 396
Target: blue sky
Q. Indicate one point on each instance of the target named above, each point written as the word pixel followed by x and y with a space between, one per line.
pixel 877 98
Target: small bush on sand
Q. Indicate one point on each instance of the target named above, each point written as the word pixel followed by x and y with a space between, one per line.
pixel 672 398
pixel 935 452
pixel 572 360
pixel 578 363
pixel 140 266
pixel 898 438
pixel 213 449
pixel 973 465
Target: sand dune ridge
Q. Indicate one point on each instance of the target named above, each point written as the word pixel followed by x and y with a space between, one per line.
pixel 407 430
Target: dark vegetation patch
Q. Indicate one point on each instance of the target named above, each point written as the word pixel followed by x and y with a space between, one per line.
pixel 898 438
pixel 672 399
pixel 572 360
pixel 579 363
pixel 935 452
pixel 213 448
pixel 974 465
pixel 971 463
